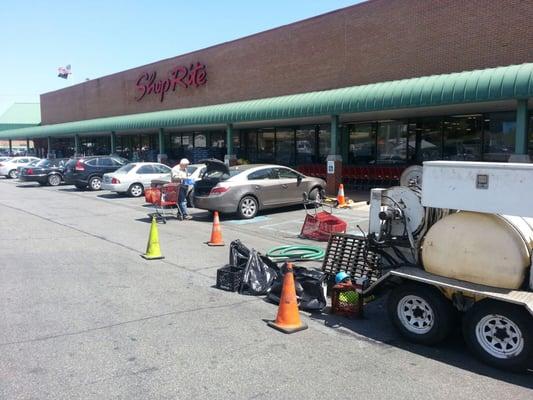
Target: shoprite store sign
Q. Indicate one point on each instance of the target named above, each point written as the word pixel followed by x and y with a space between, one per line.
pixel 180 77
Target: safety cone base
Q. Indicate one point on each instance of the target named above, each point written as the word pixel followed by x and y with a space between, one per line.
pixel 215 244
pixel 287 329
pixel 147 257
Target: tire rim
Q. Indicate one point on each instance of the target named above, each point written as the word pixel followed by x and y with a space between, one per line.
pixel 499 336
pixel 96 184
pixel 136 190
pixel 248 207
pixel 13 174
pixel 415 314
pixel 54 180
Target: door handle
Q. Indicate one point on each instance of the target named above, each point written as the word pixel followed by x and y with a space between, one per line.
pixel 257 187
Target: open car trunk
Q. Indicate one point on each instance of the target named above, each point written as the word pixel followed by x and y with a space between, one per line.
pixel 216 171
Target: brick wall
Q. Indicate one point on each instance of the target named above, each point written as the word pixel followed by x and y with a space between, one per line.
pixel 375 41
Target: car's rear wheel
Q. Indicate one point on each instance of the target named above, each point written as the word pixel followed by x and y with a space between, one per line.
pixel 54 180
pixel 12 174
pixel 248 207
pixel 136 190
pixel 95 183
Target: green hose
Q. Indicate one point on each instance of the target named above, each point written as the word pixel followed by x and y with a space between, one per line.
pixel 296 253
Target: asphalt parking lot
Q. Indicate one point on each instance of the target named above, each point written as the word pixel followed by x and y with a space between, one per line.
pixel 84 317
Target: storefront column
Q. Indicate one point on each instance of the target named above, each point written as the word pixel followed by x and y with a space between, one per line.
pixel 334 160
pixel 113 143
pixel 10 147
pixel 161 157
pixel 76 145
pixel 27 146
pixel 229 158
pixel 521 138
pixel 49 153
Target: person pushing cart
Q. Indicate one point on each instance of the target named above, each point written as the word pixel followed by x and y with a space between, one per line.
pixel 180 175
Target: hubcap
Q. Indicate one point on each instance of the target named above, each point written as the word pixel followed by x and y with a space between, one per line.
pixel 54 180
pixel 248 207
pixel 415 314
pixel 96 184
pixel 136 190
pixel 499 336
pixel 13 174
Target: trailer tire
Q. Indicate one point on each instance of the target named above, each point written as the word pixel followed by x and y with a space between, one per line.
pixel 421 313
pixel 491 325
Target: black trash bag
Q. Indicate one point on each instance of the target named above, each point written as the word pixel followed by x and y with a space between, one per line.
pixel 238 254
pixel 309 285
pixel 259 274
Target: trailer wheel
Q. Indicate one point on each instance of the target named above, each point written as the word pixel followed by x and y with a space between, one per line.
pixel 421 313
pixel 500 334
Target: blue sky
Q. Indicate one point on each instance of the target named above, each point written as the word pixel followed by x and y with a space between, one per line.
pixel 103 37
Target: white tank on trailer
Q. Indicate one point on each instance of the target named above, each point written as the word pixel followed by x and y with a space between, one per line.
pixel 481 248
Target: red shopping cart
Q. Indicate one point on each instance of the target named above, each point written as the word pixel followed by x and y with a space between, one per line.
pixel 164 197
pixel 319 225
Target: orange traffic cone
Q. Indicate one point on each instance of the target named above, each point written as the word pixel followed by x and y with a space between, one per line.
pixel 288 319
pixel 216 233
pixel 340 196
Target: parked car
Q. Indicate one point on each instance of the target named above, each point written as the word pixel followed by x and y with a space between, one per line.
pixel 133 178
pixel 84 172
pixel 9 168
pixel 247 189
pixel 45 172
pixel 5 158
pixel 31 164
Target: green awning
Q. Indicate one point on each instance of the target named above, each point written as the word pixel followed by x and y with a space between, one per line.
pixel 20 115
pixel 493 84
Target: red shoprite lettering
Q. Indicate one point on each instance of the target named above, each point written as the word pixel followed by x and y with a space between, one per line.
pixel 195 75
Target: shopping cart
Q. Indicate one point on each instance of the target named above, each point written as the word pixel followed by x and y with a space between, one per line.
pixel 164 197
pixel 319 224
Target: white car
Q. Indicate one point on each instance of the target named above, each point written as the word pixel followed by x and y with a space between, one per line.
pixel 134 177
pixel 9 168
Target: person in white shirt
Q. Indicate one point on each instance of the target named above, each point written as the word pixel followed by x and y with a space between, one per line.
pixel 179 174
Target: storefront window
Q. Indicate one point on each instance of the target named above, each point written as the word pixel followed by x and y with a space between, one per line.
pixel 250 138
pixel 429 147
pixel 285 151
pixel 500 130
pixel 265 145
pixel 392 142
pixel 462 138
pixel 362 144
pixel 218 139
pixel 324 142
pixel 306 145
pixel 200 140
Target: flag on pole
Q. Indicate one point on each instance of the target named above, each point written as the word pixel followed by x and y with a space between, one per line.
pixel 64 72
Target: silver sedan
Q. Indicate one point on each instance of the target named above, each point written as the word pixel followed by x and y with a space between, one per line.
pixel 247 189
pixel 134 177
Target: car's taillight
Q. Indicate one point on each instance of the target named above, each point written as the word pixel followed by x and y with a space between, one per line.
pixel 79 166
pixel 218 190
pixel 115 181
pixel 29 171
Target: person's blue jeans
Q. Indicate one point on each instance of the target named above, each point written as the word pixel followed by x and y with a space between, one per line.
pixel 182 200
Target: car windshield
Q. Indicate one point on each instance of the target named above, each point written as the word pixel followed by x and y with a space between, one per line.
pixel 125 169
pixel 191 169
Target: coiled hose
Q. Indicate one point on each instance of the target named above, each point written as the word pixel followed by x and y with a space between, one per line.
pixel 296 253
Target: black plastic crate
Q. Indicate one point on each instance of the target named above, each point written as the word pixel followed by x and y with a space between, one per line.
pixel 350 253
pixel 229 278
